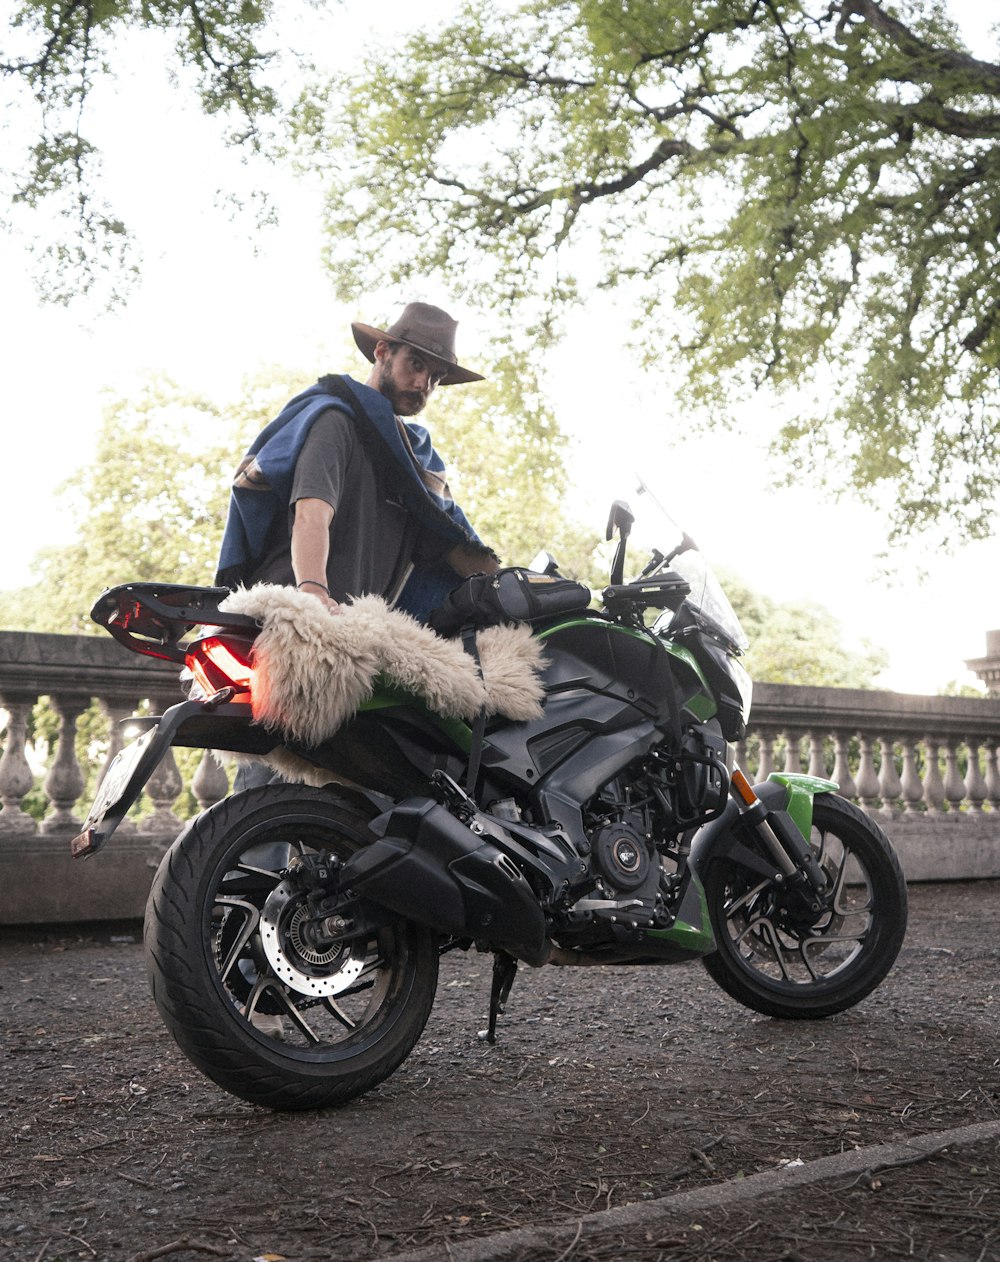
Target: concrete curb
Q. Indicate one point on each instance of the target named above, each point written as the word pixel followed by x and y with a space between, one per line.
pixel 654 1213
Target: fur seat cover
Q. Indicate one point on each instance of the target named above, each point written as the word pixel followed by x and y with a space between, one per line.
pixel 312 669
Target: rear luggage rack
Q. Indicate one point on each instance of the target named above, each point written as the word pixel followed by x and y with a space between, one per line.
pixel 153 618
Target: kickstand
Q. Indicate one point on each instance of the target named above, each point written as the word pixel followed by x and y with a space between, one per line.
pixel 504 972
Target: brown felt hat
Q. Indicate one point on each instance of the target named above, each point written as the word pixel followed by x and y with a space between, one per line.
pixel 428 330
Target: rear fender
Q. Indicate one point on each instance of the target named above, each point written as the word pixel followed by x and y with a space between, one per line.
pixel 128 775
pixel 205 723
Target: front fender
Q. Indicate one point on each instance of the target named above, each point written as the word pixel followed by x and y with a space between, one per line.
pixel 801 791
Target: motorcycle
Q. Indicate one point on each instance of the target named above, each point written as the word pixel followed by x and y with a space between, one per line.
pixel 293 934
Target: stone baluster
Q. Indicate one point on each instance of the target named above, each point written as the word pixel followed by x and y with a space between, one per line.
pixel 933 784
pixel 766 764
pixel 868 785
pixel 889 783
pixel 842 764
pixel 911 785
pixel 163 789
pixel 817 754
pixel 954 785
pixel 210 783
pixel 975 785
pixel 64 782
pixel 16 780
pixel 793 752
pixel 740 757
pixel 992 775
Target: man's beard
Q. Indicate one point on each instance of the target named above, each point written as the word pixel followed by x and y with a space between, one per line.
pixel 404 402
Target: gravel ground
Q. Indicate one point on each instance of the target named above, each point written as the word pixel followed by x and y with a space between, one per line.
pixel 607 1087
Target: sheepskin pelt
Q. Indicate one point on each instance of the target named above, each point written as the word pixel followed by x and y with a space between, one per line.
pixel 312 669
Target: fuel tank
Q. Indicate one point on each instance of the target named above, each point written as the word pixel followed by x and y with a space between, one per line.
pixel 601 679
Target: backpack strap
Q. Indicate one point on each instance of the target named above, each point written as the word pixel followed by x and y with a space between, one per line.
pixel 479 723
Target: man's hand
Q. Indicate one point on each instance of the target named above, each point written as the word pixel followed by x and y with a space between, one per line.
pixel 467 560
pixel 322 594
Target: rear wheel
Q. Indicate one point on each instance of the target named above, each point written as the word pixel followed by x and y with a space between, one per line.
pixel 251 997
pixel 778 958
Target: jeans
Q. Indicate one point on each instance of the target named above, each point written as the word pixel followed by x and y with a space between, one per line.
pixel 253 775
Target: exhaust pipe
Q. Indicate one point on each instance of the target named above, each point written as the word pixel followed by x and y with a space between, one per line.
pixel 429 867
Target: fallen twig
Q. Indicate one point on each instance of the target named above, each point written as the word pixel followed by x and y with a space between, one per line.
pixel 873 1169
pixel 131 1178
pixel 177 1246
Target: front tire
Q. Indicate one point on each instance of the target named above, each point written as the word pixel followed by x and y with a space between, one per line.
pixel 247 996
pixel 777 959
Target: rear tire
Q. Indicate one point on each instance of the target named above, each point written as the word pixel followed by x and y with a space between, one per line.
pixel 249 1000
pixel 776 960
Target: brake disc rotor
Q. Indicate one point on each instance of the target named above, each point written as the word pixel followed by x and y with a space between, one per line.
pixel 297 963
pixel 767 910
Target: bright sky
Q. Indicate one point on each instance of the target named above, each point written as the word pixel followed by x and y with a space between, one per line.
pixel 217 301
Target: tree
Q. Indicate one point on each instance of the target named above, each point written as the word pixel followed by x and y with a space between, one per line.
pixel 803 644
pixel 802 197
pixel 506 457
pixel 152 507
pixel 799 642
pixel 56 50
pixel 152 504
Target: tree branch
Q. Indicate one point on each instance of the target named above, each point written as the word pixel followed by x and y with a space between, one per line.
pixel 932 59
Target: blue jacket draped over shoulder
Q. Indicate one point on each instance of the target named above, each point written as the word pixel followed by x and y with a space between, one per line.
pixel 253 505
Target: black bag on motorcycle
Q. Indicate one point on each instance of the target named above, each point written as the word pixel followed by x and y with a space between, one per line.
pixel 508 596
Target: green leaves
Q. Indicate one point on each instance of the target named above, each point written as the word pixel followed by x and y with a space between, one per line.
pixel 53 54
pixel 152 504
pixel 805 196
pixel 800 643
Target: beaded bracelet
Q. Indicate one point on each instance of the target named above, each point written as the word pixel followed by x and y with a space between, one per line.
pixel 312 583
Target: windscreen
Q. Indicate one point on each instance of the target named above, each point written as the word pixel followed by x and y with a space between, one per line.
pixel 655 528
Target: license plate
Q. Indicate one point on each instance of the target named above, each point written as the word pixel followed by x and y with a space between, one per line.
pixel 116 787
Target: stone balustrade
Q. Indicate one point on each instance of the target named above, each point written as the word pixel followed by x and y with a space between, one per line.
pixel 926 767
pixel 39 881
pixel 72 671
pixel 888 751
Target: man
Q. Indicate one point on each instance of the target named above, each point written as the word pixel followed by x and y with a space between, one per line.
pixel 341 496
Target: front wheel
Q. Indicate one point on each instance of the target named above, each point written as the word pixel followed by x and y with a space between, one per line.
pixel 776 957
pixel 261 1007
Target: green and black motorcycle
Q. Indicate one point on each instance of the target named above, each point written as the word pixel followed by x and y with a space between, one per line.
pixel 293 934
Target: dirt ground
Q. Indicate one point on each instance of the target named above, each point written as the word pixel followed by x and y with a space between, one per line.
pixel 608 1086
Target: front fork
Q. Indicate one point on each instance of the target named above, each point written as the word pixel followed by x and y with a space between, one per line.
pixel 783 834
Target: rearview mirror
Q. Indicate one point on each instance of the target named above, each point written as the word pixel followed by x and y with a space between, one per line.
pixel 544 563
pixel 621 519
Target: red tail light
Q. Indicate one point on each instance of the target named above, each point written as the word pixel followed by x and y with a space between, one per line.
pixel 217 663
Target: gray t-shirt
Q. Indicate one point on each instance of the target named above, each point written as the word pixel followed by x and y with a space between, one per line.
pixel 373 539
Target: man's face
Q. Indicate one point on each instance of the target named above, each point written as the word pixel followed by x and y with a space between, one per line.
pixel 405 377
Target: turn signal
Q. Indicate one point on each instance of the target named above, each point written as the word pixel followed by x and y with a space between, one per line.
pixel 743 787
